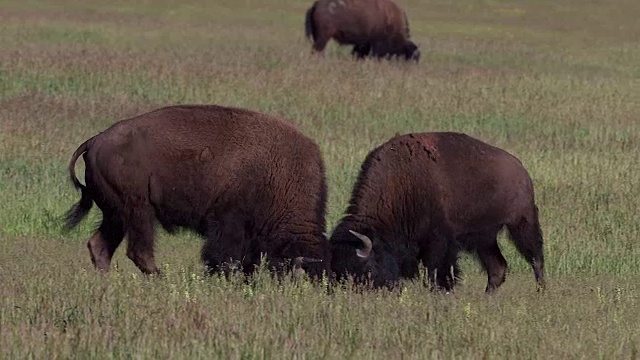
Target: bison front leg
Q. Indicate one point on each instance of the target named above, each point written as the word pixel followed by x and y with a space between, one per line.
pixel 220 258
pixel 381 50
pixel 104 242
pixel 361 51
pixel 440 257
pixel 222 250
pixel 445 276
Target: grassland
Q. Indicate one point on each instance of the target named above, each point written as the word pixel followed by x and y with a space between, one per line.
pixel 556 83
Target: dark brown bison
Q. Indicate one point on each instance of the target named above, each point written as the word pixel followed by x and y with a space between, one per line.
pixel 425 197
pixel 374 27
pixel 250 184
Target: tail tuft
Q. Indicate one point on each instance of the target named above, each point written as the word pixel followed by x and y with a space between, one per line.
pixel 78 211
pixel 309 27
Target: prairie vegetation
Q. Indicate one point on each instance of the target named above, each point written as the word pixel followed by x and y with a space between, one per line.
pixel 556 83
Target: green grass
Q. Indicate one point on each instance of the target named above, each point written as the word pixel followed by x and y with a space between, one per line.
pixel 556 83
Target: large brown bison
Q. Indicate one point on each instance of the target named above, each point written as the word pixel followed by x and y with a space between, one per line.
pixel 250 184
pixel 425 197
pixel 375 27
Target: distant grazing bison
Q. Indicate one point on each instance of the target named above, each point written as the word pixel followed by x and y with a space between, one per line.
pixel 425 197
pixel 374 27
pixel 250 184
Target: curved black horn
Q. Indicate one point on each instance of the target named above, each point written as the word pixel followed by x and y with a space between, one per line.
pixel 368 245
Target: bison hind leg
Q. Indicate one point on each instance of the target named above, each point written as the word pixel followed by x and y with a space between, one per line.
pixel 320 43
pixel 141 234
pixel 527 236
pixel 495 265
pixel 104 242
pixel 485 245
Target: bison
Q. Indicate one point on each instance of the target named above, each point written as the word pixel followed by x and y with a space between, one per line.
pixel 425 197
pixel 376 27
pixel 249 183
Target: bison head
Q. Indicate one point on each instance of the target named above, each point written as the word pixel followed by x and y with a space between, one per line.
pixel 367 262
pixel 411 51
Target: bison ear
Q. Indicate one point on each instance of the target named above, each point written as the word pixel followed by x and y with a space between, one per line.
pixel 297 264
pixel 297 267
pixel 368 245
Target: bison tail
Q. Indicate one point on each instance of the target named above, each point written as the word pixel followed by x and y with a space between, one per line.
pixel 406 26
pixel 309 27
pixel 80 209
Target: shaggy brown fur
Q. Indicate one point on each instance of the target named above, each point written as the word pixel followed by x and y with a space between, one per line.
pixel 377 27
pixel 247 182
pixel 425 197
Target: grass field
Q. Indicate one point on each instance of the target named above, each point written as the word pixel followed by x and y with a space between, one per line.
pixel 557 83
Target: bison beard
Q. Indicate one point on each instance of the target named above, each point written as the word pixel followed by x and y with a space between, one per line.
pixel 426 197
pixel 374 27
pixel 248 183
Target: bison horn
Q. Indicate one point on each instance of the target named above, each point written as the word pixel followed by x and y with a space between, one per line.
pixel 297 264
pixel 368 245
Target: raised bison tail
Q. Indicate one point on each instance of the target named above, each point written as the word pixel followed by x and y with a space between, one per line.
pixel 80 209
pixel 406 26
pixel 309 27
